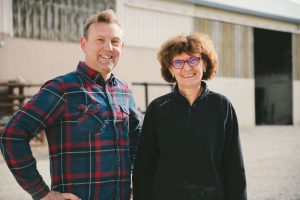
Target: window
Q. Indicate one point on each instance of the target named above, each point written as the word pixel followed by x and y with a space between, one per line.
pixel 54 19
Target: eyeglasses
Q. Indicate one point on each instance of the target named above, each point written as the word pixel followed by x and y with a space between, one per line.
pixel 192 62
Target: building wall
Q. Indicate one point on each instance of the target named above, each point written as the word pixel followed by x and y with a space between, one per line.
pixel 296 82
pixel 143 68
pixel 146 27
pixel 37 60
pixel 142 19
pixel 240 91
pixel 146 24
pixel 296 100
pixel 5 18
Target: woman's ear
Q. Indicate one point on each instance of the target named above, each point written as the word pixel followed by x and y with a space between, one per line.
pixel 204 66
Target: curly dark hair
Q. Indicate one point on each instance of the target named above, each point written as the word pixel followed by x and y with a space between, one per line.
pixel 192 43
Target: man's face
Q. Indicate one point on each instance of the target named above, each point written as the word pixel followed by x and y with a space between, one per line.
pixel 102 47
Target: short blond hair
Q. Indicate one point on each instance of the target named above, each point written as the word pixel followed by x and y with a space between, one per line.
pixel 107 16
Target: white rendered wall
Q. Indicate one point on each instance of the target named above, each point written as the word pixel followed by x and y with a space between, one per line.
pixel 296 102
pixel 140 65
pixel 241 93
pixel 37 60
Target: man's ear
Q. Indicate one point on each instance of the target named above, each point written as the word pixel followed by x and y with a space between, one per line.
pixel 83 43
pixel 123 44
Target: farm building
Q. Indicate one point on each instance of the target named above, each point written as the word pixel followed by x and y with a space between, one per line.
pixel 258 46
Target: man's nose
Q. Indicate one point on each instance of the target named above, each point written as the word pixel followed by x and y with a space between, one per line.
pixel 108 45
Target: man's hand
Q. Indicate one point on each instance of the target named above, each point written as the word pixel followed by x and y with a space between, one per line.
pixel 52 195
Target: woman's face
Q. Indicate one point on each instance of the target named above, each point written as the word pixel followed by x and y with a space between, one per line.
pixel 187 70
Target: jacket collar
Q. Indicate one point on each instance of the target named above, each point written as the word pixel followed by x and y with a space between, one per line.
pixel 204 93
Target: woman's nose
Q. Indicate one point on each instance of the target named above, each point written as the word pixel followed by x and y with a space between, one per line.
pixel 186 66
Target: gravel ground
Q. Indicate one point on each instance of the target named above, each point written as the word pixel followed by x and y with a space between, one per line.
pixel 272 161
pixel 271 154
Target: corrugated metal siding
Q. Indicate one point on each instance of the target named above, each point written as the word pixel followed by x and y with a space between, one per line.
pixel 5 19
pixel 233 45
pixel 54 20
pixel 148 28
pixel 226 62
pixel 296 56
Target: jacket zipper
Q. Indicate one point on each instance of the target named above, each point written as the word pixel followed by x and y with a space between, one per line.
pixel 189 116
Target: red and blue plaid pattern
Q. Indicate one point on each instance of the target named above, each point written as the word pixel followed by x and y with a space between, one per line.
pixel 92 129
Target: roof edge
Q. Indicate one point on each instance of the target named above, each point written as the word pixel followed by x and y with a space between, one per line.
pixel 242 10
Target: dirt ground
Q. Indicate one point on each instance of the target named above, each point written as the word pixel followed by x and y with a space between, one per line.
pixel 271 154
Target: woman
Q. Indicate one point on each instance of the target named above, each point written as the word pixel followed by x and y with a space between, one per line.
pixel 190 146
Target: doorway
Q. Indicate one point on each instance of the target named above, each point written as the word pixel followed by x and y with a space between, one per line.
pixel 273 77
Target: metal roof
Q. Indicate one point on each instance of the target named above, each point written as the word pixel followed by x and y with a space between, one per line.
pixel 285 10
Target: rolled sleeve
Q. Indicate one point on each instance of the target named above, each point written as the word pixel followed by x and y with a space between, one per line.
pixel 41 111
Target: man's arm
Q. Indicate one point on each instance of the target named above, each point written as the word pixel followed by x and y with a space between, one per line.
pixel 135 126
pixel 60 196
pixel 41 111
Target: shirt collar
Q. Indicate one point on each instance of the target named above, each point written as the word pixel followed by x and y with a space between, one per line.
pixel 92 75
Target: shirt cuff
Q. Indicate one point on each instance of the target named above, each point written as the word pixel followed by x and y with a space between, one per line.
pixel 39 191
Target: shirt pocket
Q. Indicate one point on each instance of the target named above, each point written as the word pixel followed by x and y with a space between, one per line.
pixel 90 119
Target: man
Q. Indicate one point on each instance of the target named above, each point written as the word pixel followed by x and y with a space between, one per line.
pixel 91 122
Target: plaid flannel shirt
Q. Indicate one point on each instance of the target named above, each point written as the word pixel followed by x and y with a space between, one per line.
pixel 92 129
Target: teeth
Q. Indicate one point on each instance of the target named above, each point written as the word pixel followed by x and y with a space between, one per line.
pixel 187 76
pixel 106 57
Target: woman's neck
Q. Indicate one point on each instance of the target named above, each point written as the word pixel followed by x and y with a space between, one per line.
pixel 191 94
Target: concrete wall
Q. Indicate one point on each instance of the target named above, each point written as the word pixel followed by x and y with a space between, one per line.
pixel 241 93
pixel 37 60
pixel 296 102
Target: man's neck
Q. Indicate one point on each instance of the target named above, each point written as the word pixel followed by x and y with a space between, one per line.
pixel 105 77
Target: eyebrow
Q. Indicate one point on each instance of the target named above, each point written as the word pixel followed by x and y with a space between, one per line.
pixel 118 38
pixel 113 38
